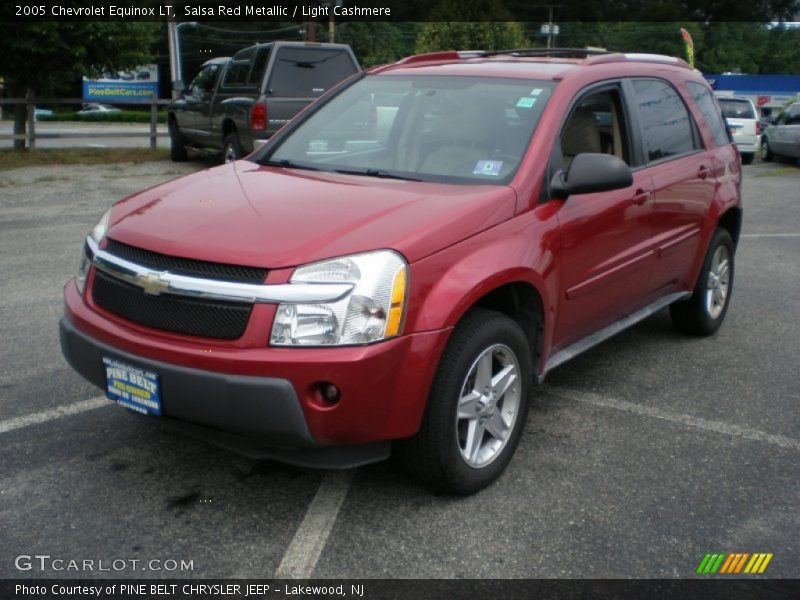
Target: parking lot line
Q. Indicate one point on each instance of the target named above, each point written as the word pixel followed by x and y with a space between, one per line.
pixel 55 413
pixel 677 418
pixel 305 548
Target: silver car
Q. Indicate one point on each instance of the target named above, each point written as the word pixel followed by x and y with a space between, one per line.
pixel 782 137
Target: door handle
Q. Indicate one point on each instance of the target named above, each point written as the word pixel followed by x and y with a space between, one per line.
pixel 641 197
pixel 703 172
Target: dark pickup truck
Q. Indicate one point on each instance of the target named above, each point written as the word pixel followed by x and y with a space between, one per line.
pixel 235 104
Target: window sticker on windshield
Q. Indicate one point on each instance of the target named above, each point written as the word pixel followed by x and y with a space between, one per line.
pixel 488 167
pixel 535 91
pixel 318 146
pixel 526 102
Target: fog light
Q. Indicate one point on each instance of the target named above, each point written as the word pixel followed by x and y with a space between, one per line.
pixel 330 393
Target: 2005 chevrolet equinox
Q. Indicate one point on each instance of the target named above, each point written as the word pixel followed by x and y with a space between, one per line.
pixel 400 264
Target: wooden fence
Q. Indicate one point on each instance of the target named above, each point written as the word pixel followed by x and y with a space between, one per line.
pixel 30 136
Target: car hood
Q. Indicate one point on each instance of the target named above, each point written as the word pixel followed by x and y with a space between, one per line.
pixel 247 214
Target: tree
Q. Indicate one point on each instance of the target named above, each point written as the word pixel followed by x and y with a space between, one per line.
pixel 483 24
pixel 48 57
pixel 378 43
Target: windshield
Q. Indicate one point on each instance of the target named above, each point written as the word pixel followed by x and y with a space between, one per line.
pixel 737 109
pixel 430 128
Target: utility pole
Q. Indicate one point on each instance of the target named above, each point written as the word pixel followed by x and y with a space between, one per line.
pixel 550 26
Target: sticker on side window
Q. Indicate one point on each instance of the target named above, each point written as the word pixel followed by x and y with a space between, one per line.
pixel 526 102
pixel 488 167
pixel 535 91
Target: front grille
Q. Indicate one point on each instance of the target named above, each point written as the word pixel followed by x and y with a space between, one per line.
pixel 179 314
pixel 187 266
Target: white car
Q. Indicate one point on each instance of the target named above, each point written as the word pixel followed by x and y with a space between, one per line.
pixel 96 109
pixel 741 117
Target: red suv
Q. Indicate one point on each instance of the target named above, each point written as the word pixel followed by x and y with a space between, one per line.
pixel 401 263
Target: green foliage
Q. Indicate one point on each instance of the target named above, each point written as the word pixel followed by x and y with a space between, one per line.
pixel 378 43
pixel 484 25
pixel 123 116
pixel 489 35
pixel 50 56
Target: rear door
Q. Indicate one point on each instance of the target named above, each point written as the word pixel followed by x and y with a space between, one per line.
pixel 605 237
pixel 683 175
pixel 300 74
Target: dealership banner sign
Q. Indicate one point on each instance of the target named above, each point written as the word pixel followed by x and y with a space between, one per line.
pixel 140 83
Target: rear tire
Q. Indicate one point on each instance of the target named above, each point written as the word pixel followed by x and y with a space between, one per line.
pixel 477 406
pixel 232 147
pixel 766 151
pixel 177 145
pixel 703 313
pixel 747 159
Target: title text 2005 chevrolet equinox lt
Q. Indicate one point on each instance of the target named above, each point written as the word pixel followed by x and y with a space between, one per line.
pixel 402 262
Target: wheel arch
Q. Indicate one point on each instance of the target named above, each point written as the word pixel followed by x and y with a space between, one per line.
pixel 731 220
pixel 228 126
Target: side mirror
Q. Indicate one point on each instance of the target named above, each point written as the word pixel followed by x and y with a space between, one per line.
pixel 591 172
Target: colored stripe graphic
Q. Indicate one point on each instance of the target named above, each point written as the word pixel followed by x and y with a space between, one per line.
pixel 733 563
pixel 703 563
pixel 727 564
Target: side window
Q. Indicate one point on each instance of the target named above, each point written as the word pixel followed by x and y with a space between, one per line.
pixel 236 74
pixel 666 124
pixel 259 66
pixel 711 111
pixel 596 124
pixel 204 81
pixel 793 115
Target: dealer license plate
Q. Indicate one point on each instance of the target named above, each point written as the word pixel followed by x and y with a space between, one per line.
pixel 132 387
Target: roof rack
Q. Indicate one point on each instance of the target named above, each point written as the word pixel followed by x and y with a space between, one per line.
pixel 558 52
pixel 592 56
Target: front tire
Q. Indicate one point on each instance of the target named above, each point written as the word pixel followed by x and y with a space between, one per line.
pixel 766 151
pixel 477 406
pixel 232 147
pixel 703 313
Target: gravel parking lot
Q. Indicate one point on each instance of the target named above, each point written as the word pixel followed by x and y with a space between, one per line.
pixel 638 457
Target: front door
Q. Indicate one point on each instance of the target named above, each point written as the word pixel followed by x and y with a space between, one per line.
pixel 606 250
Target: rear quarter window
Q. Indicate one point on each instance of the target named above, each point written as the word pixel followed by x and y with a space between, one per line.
pixel 308 72
pixel 236 74
pixel 712 114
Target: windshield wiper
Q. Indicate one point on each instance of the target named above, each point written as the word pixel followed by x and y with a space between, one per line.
pixel 376 173
pixel 288 164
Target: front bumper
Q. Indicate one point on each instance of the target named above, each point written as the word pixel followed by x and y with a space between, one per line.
pixel 234 393
pixel 259 417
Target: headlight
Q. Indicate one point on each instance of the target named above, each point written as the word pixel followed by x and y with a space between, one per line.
pixel 372 311
pixel 97 233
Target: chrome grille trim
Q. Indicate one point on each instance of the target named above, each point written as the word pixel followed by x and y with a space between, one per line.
pixel 157 282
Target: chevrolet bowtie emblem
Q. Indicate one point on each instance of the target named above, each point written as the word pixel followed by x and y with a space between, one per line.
pixel 152 284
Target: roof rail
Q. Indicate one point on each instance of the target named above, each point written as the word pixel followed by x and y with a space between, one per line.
pixel 430 56
pixel 638 57
pixel 557 52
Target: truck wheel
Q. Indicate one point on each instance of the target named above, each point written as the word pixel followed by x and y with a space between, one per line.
pixel 766 151
pixel 177 147
pixel 233 147
pixel 747 159
pixel 477 406
pixel 703 313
